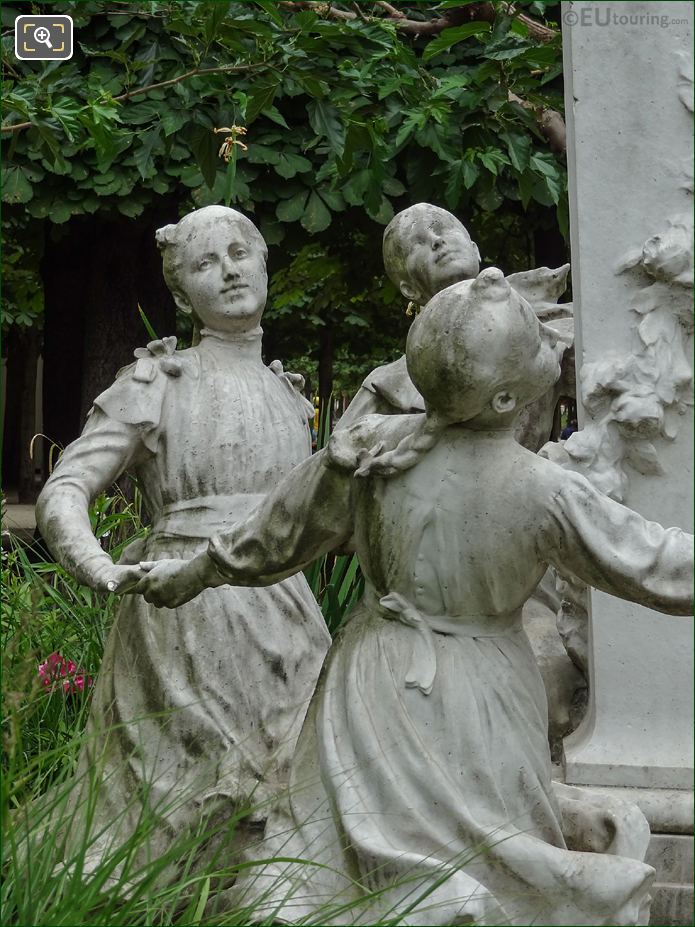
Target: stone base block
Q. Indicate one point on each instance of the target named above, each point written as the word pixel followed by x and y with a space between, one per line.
pixel 672 857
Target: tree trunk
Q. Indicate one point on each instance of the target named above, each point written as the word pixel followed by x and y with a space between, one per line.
pixel 26 486
pixel 62 270
pixel 125 271
pixel 10 424
pixel 20 412
pixel 95 275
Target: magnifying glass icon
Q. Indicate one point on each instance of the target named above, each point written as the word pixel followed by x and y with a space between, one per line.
pixel 42 35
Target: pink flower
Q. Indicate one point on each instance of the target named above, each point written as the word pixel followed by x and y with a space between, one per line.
pixel 56 669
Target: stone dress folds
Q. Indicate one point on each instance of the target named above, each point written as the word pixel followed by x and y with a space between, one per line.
pixel 421 790
pixel 196 709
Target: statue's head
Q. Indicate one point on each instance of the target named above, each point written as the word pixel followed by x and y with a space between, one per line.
pixel 478 349
pixel 214 263
pixel 427 249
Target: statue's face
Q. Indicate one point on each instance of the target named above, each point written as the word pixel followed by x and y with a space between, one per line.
pixel 223 275
pixel 440 253
pixel 539 346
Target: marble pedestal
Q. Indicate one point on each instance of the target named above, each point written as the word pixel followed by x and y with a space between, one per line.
pixel 628 86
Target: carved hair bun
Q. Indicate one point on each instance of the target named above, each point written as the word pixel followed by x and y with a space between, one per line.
pixel 164 236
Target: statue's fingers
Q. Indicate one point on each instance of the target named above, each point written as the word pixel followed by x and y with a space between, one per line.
pixel 126 582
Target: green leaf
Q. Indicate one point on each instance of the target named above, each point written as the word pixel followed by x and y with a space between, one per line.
pixel 548 191
pixel 66 111
pixel 146 322
pixel 48 136
pixel 292 209
pixel 262 154
pixel 451 36
pixel 356 187
pixel 492 159
pixel 141 113
pixel 270 7
pixel 172 120
pixel 333 198
pixel 130 208
pixel 410 124
pixel 519 148
pixel 354 319
pixel 290 164
pixel 383 214
pixel 545 164
pixel 471 172
pixel 213 16
pixel 274 114
pixel 504 54
pixel 105 112
pixel 15 186
pixel 526 183
pixel 230 175
pixel 144 161
pixel 325 121
pixel 60 213
pixel 107 187
pixel 563 217
pixel 204 146
pixel 316 216
pixel 147 57
pixel 260 100
pixel 393 187
pixel 452 192
pixel 272 232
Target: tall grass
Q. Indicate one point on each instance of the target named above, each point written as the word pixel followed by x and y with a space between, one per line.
pixel 46 611
pixel 47 883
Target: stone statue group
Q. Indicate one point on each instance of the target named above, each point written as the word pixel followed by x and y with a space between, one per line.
pixel 402 773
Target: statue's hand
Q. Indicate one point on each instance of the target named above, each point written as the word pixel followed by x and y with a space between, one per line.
pixel 118 578
pixel 169 583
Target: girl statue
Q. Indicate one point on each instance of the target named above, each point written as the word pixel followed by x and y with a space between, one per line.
pixel 421 787
pixel 196 712
pixel 427 249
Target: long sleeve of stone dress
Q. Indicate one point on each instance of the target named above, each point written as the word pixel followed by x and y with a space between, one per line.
pixel 308 514
pixel 88 465
pixel 613 548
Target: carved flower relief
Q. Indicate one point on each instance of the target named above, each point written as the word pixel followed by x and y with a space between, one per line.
pixel 638 413
pixel 668 256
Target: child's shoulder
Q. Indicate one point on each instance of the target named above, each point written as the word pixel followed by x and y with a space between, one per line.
pixel 392 383
pixel 365 434
pixel 557 486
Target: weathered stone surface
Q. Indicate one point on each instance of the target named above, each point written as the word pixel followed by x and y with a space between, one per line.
pixel 425 751
pixel 630 157
pixel 206 702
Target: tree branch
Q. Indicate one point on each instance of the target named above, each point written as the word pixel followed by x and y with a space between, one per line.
pixel 321 9
pixel 550 122
pixel 195 72
pixel 539 31
pixel 391 10
pixel 451 17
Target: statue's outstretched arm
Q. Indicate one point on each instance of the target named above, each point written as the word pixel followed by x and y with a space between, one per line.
pixel 307 515
pixel 87 467
pixel 613 548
